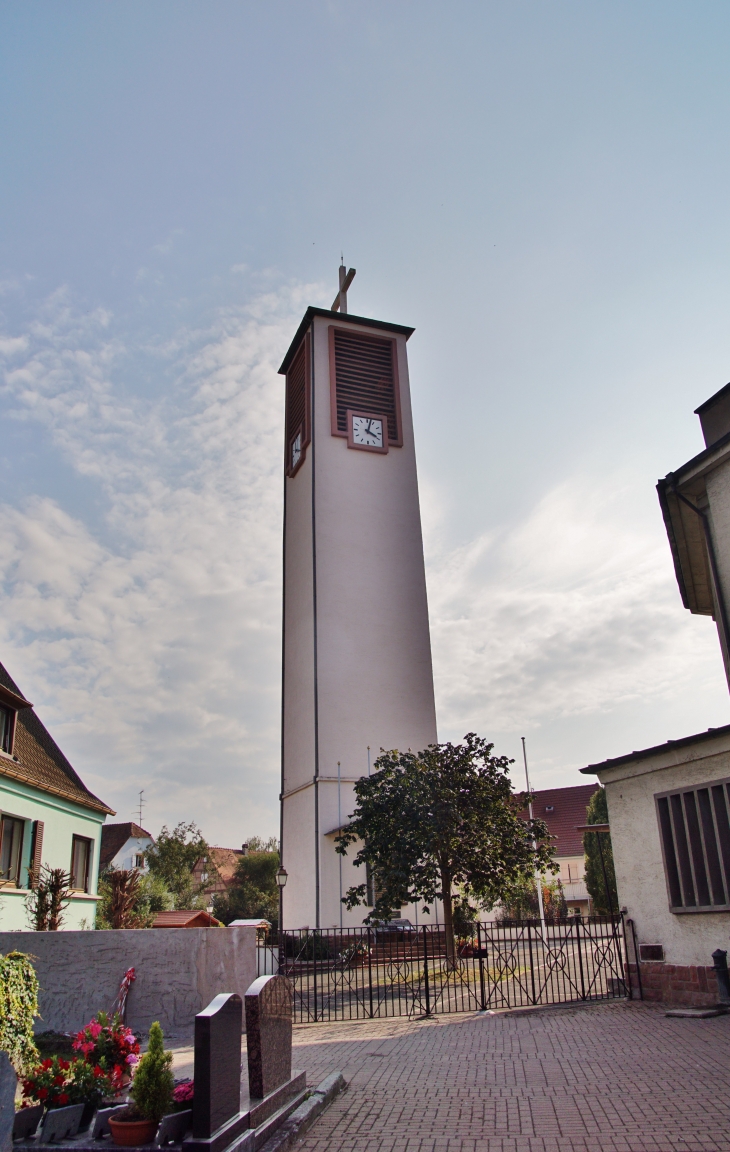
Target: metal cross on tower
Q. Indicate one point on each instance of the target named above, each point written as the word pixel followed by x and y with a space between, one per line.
pixel 346 278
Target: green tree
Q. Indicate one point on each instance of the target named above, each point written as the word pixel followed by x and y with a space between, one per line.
pixel 443 819
pixel 172 859
pixel 253 892
pixel 604 901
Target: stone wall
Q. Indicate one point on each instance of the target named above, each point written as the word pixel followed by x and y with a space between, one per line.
pixel 178 970
pixel 689 985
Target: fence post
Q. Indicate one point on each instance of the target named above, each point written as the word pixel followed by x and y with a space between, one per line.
pixel 314 959
pixel 637 959
pixel 580 956
pixel 370 973
pixel 628 982
pixel 532 960
pixel 481 967
pixel 425 970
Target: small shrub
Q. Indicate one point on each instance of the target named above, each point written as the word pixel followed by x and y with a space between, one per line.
pixel 18 1009
pixel 57 1083
pixel 153 1083
pixel 108 1041
pixel 48 898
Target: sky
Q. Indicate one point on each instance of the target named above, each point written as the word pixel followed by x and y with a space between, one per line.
pixel 540 189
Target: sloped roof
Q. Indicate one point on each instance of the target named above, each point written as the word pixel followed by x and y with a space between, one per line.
pixel 225 860
pixel 114 837
pixel 39 762
pixel 193 918
pixel 568 809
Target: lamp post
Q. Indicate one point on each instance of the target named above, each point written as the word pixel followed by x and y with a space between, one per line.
pixel 281 878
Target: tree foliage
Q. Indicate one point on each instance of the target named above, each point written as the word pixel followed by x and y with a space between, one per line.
pixel 153 1081
pixel 253 892
pixel 172 859
pixel 18 1009
pixel 604 899
pixel 521 903
pixel 126 903
pixel 443 819
pixel 49 896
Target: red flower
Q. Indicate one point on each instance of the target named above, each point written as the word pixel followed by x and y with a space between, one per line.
pixel 64 1064
pixel 98 1071
pixel 42 1093
pixel 63 1099
pixel 47 1064
pixel 59 1080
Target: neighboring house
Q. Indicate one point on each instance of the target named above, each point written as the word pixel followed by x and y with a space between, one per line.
pixel 47 815
pixel 124 846
pixel 563 810
pixel 669 811
pixel 225 861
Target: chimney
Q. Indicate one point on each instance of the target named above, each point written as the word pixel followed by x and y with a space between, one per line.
pixel 714 416
pixel 244 849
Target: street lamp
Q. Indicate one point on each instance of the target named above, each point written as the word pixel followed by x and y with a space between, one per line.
pixel 281 878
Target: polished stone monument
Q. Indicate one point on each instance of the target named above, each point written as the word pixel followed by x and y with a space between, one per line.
pixel 269 1011
pixel 8 1082
pixel 217 1064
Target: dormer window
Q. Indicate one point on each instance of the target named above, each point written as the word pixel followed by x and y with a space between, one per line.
pixel 7 727
pixel 549 807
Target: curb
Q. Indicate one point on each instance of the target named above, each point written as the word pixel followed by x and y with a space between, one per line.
pixel 305 1115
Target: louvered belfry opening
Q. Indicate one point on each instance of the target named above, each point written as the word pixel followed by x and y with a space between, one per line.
pixel 365 380
pixel 297 402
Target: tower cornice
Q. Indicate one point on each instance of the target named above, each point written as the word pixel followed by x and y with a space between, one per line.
pixel 340 318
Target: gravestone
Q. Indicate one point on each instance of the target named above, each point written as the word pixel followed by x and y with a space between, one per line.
pixel 217 1065
pixel 61 1124
pixel 269 1010
pixel 8 1083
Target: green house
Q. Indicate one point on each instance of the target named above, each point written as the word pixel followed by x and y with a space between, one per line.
pixel 47 816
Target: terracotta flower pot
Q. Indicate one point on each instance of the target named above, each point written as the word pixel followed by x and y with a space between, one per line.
pixel 131 1133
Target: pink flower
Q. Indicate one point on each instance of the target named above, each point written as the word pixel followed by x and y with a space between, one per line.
pixel 132 1059
pixel 95 1028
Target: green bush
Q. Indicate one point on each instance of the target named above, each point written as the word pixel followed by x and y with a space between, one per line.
pixel 18 1009
pixel 153 1082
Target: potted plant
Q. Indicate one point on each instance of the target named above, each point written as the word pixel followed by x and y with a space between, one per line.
pixel 58 1083
pixel 151 1094
pixel 182 1096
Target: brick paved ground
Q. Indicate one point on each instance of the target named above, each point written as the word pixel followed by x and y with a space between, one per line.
pixel 614 1077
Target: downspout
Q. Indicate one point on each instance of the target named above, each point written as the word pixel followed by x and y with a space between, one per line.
pixel 719 595
pixel 313 445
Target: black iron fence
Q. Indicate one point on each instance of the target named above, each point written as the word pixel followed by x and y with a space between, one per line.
pixel 361 973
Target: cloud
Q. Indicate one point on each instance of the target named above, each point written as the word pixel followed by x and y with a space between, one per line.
pixel 145 623
pixel 151 639
pixel 574 612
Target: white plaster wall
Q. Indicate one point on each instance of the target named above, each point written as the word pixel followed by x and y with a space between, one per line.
pixel 688 938
pixel 135 846
pixel 178 970
pixel 374 673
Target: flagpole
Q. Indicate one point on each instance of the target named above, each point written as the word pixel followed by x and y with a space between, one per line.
pixel 538 875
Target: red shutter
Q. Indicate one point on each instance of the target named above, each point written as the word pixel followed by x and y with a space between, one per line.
pixel 37 855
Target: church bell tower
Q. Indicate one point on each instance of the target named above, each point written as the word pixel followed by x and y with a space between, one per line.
pixel 357 674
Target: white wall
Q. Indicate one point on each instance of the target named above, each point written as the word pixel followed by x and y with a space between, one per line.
pixel 689 937
pixel 135 846
pixel 178 972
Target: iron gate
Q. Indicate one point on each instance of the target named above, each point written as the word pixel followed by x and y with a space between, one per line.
pixel 361 973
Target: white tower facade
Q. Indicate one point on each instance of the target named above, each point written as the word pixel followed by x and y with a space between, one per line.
pixel 357 673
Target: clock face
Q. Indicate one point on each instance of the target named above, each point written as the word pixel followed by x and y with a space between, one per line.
pixel 296 449
pixel 367 430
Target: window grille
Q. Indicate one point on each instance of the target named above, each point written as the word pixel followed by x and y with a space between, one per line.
pixel 365 379
pixel 695 834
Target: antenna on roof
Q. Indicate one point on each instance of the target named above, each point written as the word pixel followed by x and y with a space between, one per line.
pixel 138 810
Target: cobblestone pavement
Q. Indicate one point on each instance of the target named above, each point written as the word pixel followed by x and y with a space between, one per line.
pixel 613 1077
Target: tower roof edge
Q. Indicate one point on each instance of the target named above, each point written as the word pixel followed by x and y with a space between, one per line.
pixel 346 318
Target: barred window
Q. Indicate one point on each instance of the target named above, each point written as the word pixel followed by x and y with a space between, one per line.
pixel 695 835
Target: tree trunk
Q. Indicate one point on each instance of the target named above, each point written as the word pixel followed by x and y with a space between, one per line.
pixel 448 919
